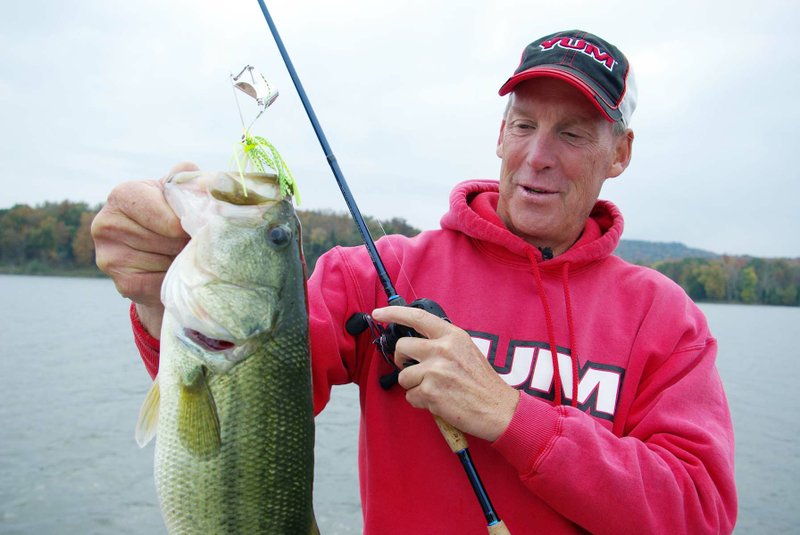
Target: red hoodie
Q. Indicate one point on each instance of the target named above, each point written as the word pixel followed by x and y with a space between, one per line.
pixel 631 435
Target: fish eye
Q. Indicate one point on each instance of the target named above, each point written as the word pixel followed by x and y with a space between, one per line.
pixel 279 235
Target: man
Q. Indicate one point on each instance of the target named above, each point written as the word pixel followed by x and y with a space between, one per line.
pixel 587 385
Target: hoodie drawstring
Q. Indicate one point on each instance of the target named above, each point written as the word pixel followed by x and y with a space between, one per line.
pixel 551 336
pixel 571 326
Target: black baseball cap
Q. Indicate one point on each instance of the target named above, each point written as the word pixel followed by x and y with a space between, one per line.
pixel 593 65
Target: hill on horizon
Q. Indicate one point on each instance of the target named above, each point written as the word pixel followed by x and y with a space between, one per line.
pixel 648 252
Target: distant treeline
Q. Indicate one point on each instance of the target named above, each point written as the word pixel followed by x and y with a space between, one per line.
pixel 54 238
pixel 49 238
pixel 737 279
pixel 325 229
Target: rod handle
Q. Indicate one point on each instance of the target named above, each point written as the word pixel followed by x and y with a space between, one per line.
pixel 498 528
pixel 455 438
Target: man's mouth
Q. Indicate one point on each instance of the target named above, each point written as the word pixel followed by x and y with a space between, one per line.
pixel 536 191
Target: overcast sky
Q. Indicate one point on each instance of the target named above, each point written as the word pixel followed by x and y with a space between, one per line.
pixel 96 92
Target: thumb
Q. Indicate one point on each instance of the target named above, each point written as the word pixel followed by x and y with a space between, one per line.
pixel 180 168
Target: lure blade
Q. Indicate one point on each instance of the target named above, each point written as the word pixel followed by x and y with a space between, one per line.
pixel 253 84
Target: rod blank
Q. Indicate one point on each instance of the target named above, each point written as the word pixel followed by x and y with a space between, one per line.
pixel 454 437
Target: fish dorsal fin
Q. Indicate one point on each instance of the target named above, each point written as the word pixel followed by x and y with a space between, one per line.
pixel 147 424
pixel 198 422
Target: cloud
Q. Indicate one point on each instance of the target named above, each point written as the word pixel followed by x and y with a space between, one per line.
pixel 99 92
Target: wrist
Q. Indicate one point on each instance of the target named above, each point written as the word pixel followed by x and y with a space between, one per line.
pixel 503 413
pixel 151 316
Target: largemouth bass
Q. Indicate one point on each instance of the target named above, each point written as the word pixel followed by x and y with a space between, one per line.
pixel 232 401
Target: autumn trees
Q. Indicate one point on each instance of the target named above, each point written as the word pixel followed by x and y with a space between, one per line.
pixel 739 279
pixel 54 238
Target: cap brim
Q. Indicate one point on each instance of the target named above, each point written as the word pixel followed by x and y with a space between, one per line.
pixel 593 94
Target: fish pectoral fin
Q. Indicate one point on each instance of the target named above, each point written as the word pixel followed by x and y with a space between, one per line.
pixel 198 421
pixel 147 424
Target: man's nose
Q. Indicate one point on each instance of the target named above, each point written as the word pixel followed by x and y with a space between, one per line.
pixel 540 152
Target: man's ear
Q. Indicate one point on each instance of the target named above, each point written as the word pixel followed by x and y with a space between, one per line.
pixel 623 148
pixel 499 149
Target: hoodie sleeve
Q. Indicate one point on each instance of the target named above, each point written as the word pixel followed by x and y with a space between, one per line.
pixel 669 469
pixel 332 292
pixel 147 345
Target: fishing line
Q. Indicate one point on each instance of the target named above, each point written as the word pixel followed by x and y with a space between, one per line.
pixel 238 107
pixel 369 243
pixel 402 271
pixel 258 87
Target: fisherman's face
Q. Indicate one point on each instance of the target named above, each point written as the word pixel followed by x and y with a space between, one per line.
pixel 556 150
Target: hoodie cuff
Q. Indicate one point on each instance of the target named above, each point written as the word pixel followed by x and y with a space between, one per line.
pixel 534 428
pixel 148 346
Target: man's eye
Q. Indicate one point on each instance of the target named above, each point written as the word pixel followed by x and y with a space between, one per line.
pixel 523 126
pixel 571 136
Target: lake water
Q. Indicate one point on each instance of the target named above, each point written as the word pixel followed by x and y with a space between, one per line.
pixel 71 384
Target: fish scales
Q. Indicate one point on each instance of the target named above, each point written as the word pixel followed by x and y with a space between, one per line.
pixel 240 284
pixel 255 484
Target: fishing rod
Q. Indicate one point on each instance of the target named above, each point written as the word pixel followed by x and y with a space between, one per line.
pixel 386 282
pixel 454 437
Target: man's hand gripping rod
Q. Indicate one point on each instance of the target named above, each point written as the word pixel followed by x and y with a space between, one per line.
pixel 455 438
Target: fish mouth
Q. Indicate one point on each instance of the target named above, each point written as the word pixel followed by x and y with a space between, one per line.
pixel 215 345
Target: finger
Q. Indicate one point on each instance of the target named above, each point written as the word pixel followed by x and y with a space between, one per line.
pixel 423 322
pixel 411 377
pixel 119 258
pixel 141 288
pixel 411 350
pixel 118 239
pixel 182 167
pixel 137 275
pixel 144 203
pixel 143 239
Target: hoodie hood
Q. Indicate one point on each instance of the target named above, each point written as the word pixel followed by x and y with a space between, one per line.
pixel 473 206
pixel 473 212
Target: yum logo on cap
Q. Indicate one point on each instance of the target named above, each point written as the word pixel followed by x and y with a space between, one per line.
pixel 581 45
pixel 593 65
